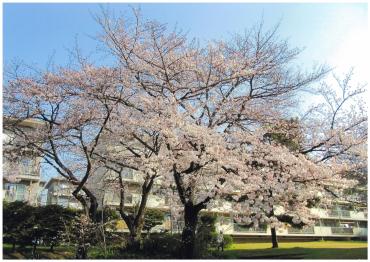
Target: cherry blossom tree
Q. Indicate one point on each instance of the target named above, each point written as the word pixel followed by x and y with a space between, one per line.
pixel 208 103
pixel 194 117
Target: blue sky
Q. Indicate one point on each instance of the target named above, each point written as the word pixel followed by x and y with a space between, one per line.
pixel 333 33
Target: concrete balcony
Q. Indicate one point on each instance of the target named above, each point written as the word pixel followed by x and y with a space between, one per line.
pixel 341 231
pixel 358 215
pixel 309 230
pixel 26 177
pixel 339 213
pixel 360 231
pixel 242 229
pixel 63 193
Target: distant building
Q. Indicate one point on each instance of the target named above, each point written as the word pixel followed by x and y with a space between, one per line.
pixel 339 222
pixel 21 175
pixel 59 192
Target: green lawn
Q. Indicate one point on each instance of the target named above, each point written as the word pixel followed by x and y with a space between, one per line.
pixel 299 250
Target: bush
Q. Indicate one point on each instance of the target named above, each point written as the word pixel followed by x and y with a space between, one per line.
pixel 28 225
pixel 116 239
pixel 107 214
pixel 152 218
pixel 206 234
pixel 228 241
pixel 51 223
pixel 165 245
pixel 19 223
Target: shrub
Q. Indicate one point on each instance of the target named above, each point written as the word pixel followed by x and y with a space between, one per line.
pixel 26 225
pixel 152 218
pixel 206 234
pixel 51 222
pixel 18 223
pixel 168 246
pixel 116 239
pixel 228 241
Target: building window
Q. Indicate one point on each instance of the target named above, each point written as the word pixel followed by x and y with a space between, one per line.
pixel 362 224
pixel 20 192
pixel 108 196
pixel 339 211
pixel 63 202
pixel 27 164
pixel 128 199
pixel 329 223
pixel 10 191
pixel 9 187
pixel 128 174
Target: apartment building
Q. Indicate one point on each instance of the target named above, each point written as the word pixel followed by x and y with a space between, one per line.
pixel 339 222
pixel 21 177
pixel 59 192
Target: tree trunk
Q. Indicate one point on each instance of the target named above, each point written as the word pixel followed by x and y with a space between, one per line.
pixel 13 247
pixel 134 231
pixel 93 208
pixel 134 238
pixel 93 204
pixel 81 252
pixel 83 203
pixel 135 225
pixel 188 233
pixel 138 222
pixel 135 222
pixel 274 238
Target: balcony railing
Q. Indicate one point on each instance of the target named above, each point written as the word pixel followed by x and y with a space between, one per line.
pixel 63 193
pixel 342 231
pixel 309 230
pixel 339 213
pixel 28 176
pixel 238 228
